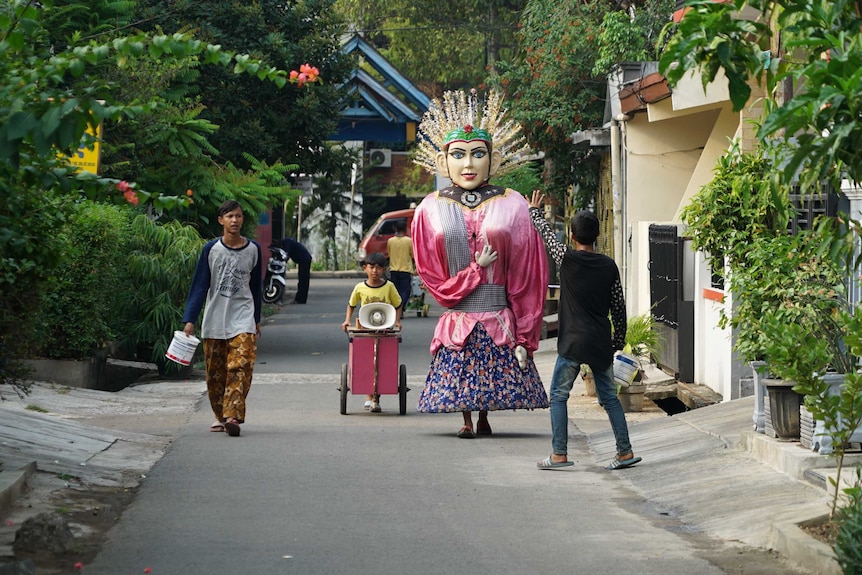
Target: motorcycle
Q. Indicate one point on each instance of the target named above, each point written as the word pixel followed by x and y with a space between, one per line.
pixel 274 281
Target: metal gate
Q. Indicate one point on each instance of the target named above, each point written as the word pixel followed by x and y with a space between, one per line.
pixel 672 299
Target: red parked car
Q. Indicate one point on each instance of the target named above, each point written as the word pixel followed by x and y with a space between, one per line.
pixel 379 233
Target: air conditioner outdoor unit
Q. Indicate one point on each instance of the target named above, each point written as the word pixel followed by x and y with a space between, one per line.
pixel 380 158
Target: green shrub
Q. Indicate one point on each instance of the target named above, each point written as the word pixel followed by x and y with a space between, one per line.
pixel 160 265
pixel 847 548
pixel 642 337
pixel 78 314
pixel 30 252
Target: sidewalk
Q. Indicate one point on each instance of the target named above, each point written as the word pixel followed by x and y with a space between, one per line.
pixel 705 467
pixel 710 470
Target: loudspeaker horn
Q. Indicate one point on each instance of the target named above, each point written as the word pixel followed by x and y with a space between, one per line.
pixel 377 315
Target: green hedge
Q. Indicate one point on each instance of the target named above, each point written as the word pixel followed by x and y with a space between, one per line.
pixel 81 309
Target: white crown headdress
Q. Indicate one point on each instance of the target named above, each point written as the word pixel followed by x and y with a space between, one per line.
pixel 456 113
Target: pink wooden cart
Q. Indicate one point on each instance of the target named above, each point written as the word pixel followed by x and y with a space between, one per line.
pixel 372 367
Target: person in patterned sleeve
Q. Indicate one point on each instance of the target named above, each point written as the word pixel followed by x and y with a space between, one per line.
pixel 590 291
pixel 228 279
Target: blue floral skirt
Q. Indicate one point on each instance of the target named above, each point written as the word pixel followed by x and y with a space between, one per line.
pixel 481 377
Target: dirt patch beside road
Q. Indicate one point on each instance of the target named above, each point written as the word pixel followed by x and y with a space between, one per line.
pixel 112 440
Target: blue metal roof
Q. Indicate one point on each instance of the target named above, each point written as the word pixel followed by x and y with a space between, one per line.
pixel 370 102
pixel 377 97
pixel 391 75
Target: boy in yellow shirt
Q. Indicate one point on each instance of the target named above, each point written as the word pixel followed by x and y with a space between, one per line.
pixel 374 289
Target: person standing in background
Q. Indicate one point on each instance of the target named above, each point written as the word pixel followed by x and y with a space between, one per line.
pixel 228 278
pixel 401 270
pixel 297 253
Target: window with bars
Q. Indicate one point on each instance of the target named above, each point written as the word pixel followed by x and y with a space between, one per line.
pixel 807 208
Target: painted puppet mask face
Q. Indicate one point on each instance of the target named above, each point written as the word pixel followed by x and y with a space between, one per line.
pixel 468 164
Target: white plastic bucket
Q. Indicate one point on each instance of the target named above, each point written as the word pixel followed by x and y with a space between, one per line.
pixel 182 348
pixel 625 369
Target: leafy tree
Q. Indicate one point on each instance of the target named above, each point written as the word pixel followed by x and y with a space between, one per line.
pixel 525 178
pixel 254 116
pixel 330 207
pixel 632 35
pixel 814 46
pixel 552 89
pixel 556 85
pixel 466 38
pixel 49 96
pixel 68 21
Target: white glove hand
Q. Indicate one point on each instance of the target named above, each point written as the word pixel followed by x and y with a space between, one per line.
pixel 521 354
pixel 486 257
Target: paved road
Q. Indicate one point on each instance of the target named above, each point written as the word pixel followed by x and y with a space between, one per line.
pixel 302 338
pixel 308 491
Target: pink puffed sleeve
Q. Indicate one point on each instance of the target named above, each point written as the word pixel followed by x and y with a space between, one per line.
pixel 526 275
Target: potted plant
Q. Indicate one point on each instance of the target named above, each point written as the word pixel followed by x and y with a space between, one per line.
pixel 784 281
pixel 642 338
pixel 739 220
pixel 642 341
pixel 815 337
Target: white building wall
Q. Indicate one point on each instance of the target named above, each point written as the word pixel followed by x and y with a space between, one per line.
pixel 712 345
pixel 668 155
pixel 659 160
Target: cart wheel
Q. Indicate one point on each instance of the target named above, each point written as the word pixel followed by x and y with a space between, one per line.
pixel 402 390
pixel 344 389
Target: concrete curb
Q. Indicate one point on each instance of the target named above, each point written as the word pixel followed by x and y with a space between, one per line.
pixel 12 484
pixel 357 273
pixel 800 548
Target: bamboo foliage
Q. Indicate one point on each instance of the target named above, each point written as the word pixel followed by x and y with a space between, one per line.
pixel 161 265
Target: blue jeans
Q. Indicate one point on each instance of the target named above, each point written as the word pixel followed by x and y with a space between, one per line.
pixel 404 284
pixel 565 372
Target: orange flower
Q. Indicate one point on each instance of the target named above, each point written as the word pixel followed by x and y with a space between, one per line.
pixel 131 197
pixel 306 74
pixel 189 192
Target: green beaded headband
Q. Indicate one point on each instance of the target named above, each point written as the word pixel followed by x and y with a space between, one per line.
pixel 467 133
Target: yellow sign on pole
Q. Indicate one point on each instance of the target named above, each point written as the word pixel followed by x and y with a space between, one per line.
pixel 85 158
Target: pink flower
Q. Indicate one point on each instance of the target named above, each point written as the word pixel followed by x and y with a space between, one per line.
pixel 311 71
pixel 468 128
pixel 306 74
pixel 148 569
pixel 79 565
pixel 10 522
pixel 123 186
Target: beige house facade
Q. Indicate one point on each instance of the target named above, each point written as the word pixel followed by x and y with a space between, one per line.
pixel 662 145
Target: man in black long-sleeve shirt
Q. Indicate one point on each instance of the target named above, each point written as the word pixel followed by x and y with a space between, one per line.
pixel 590 291
pixel 300 256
